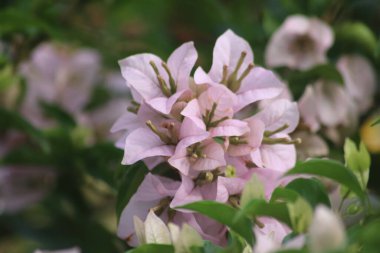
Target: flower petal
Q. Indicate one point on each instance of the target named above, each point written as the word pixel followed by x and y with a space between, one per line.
pixel 181 62
pixel 137 148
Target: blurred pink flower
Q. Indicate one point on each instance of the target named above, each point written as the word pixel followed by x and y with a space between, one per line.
pixel 326 103
pixel 270 237
pixel 359 79
pixel 299 43
pixel 23 186
pixel 328 106
pixel 60 75
pixel 312 145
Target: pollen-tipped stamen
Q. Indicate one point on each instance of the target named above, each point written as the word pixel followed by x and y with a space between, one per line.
pixel 246 72
pixel 132 109
pixel 205 178
pixel 236 140
pixel 161 82
pixel 240 61
pixel 272 141
pixel 161 206
pixel 163 137
pixel 281 128
pixel 173 86
pixel 215 123
pixel 232 79
pixel 225 74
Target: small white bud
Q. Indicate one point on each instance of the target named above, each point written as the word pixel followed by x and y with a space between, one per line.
pixel 326 231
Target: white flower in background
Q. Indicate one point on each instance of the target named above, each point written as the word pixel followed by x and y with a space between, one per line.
pixel 359 79
pixel 326 232
pixel 71 250
pixel 312 145
pixel 328 105
pixel 299 43
pixel 60 75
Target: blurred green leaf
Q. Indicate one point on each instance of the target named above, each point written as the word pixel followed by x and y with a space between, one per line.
pixel 301 214
pixel 153 248
pixel 259 207
pixel 299 210
pixel 355 35
pixel 253 189
pixel 225 215
pixel 12 120
pixel 55 112
pixel 330 169
pixel 311 190
pixel 376 122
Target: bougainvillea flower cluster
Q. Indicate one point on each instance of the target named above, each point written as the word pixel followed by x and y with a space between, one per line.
pixel 196 125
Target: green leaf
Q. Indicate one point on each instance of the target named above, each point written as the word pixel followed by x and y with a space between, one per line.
pixel 130 179
pixel 153 248
pixel 299 210
pixel 12 120
pixel 54 111
pixel 254 189
pixel 259 207
pixel 224 214
pixel 301 214
pixel 188 240
pixel 356 35
pixel 376 122
pixel 358 161
pixel 219 140
pixel 330 169
pixel 311 190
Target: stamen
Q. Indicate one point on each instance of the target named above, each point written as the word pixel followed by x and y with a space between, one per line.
pixel 215 123
pixel 212 112
pixel 246 72
pixel 267 140
pixel 154 67
pixel 236 140
pixel 135 103
pixel 132 109
pixel 161 206
pixel 230 171
pixel 234 201
pixel 259 223
pixel 173 86
pixel 270 133
pixel 225 74
pixel 163 137
pixel 240 61
pixel 164 88
pixel 204 178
